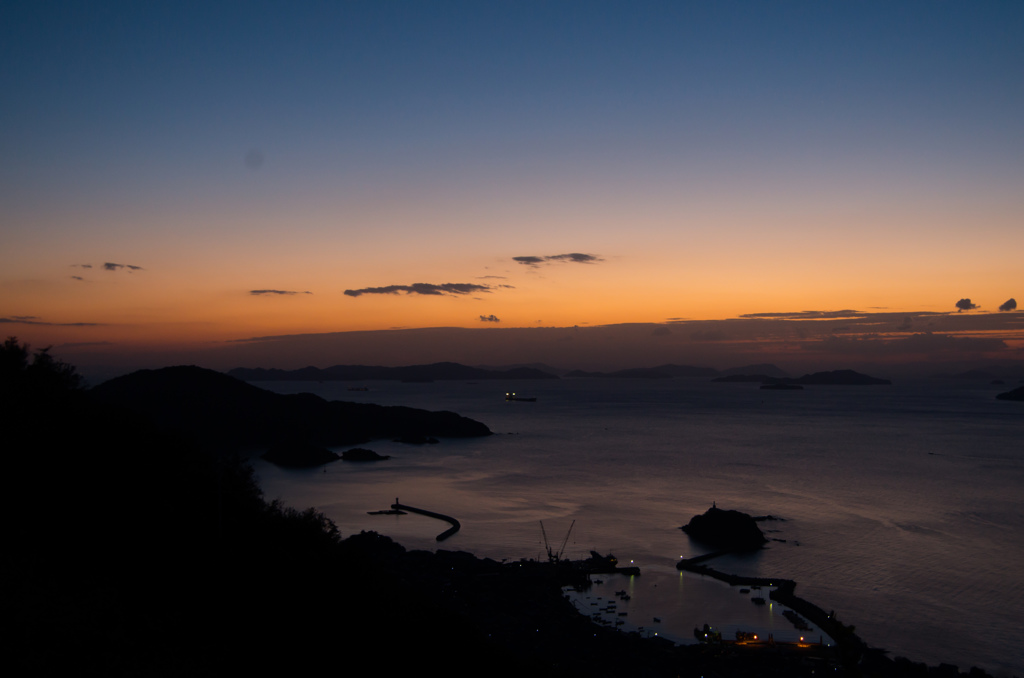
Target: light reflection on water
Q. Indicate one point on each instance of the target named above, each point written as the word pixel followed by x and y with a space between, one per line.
pixel 900 504
pixel 672 604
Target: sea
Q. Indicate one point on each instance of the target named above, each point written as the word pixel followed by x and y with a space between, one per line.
pixel 900 508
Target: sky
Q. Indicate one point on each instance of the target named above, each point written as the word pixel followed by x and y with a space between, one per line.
pixel 179 180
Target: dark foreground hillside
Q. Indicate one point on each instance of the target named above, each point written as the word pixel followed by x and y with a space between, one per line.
pixel 130 552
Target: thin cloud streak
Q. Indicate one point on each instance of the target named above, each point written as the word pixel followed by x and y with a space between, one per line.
pixel 258 293
pixel 426 289
pixel 807 315
pixel 32 320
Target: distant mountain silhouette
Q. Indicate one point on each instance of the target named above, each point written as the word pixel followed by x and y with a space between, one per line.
pixel 434 372
pixel 987 373
pixel 833 378
pixel 220 410
pixel 660 372
pixel 779 386
pixel 745 379
pixel 1016 394
pixel 543 367
pixel 838 377
pixel 766 369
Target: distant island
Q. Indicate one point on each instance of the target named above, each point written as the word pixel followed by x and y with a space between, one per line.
pixel 1016 394
pixel 361 454
pixel 1004 372
pixel 449 371
pixel 217 410
pixel 445 371
pixel 660 372
pixel 832 378
pixel 728 530
pixel 299 455
pixel 744 379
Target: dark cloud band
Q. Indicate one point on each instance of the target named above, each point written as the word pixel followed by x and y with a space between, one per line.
pixel 572 257
pixel 921 343
pixel 807 315
pixel 428 289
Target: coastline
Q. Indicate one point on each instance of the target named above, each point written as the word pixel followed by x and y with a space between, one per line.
pixel 246 568
pixel 895 518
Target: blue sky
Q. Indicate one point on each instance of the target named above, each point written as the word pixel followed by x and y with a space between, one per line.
pixel 873 148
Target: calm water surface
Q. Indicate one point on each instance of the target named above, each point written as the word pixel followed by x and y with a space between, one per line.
pixel 898 507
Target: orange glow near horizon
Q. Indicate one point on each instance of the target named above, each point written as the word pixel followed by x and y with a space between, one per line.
pixel 699 188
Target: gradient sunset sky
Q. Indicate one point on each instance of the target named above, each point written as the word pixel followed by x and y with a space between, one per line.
pixel 189 175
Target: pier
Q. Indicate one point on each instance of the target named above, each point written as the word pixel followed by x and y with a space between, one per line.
pixel 455 525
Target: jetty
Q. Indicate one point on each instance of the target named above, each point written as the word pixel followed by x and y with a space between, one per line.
pixel 455 525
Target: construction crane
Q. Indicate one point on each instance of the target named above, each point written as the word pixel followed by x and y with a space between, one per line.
pixel 552 556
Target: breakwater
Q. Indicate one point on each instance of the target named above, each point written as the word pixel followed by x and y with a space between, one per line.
pixel 455 525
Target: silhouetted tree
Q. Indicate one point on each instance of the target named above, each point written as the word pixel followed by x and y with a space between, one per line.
pixel 44 378
pixel 13 359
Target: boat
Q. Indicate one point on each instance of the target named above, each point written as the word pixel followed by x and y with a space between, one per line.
pixel 513 396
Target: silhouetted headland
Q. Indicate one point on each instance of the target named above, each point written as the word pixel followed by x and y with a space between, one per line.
pixel 222 411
